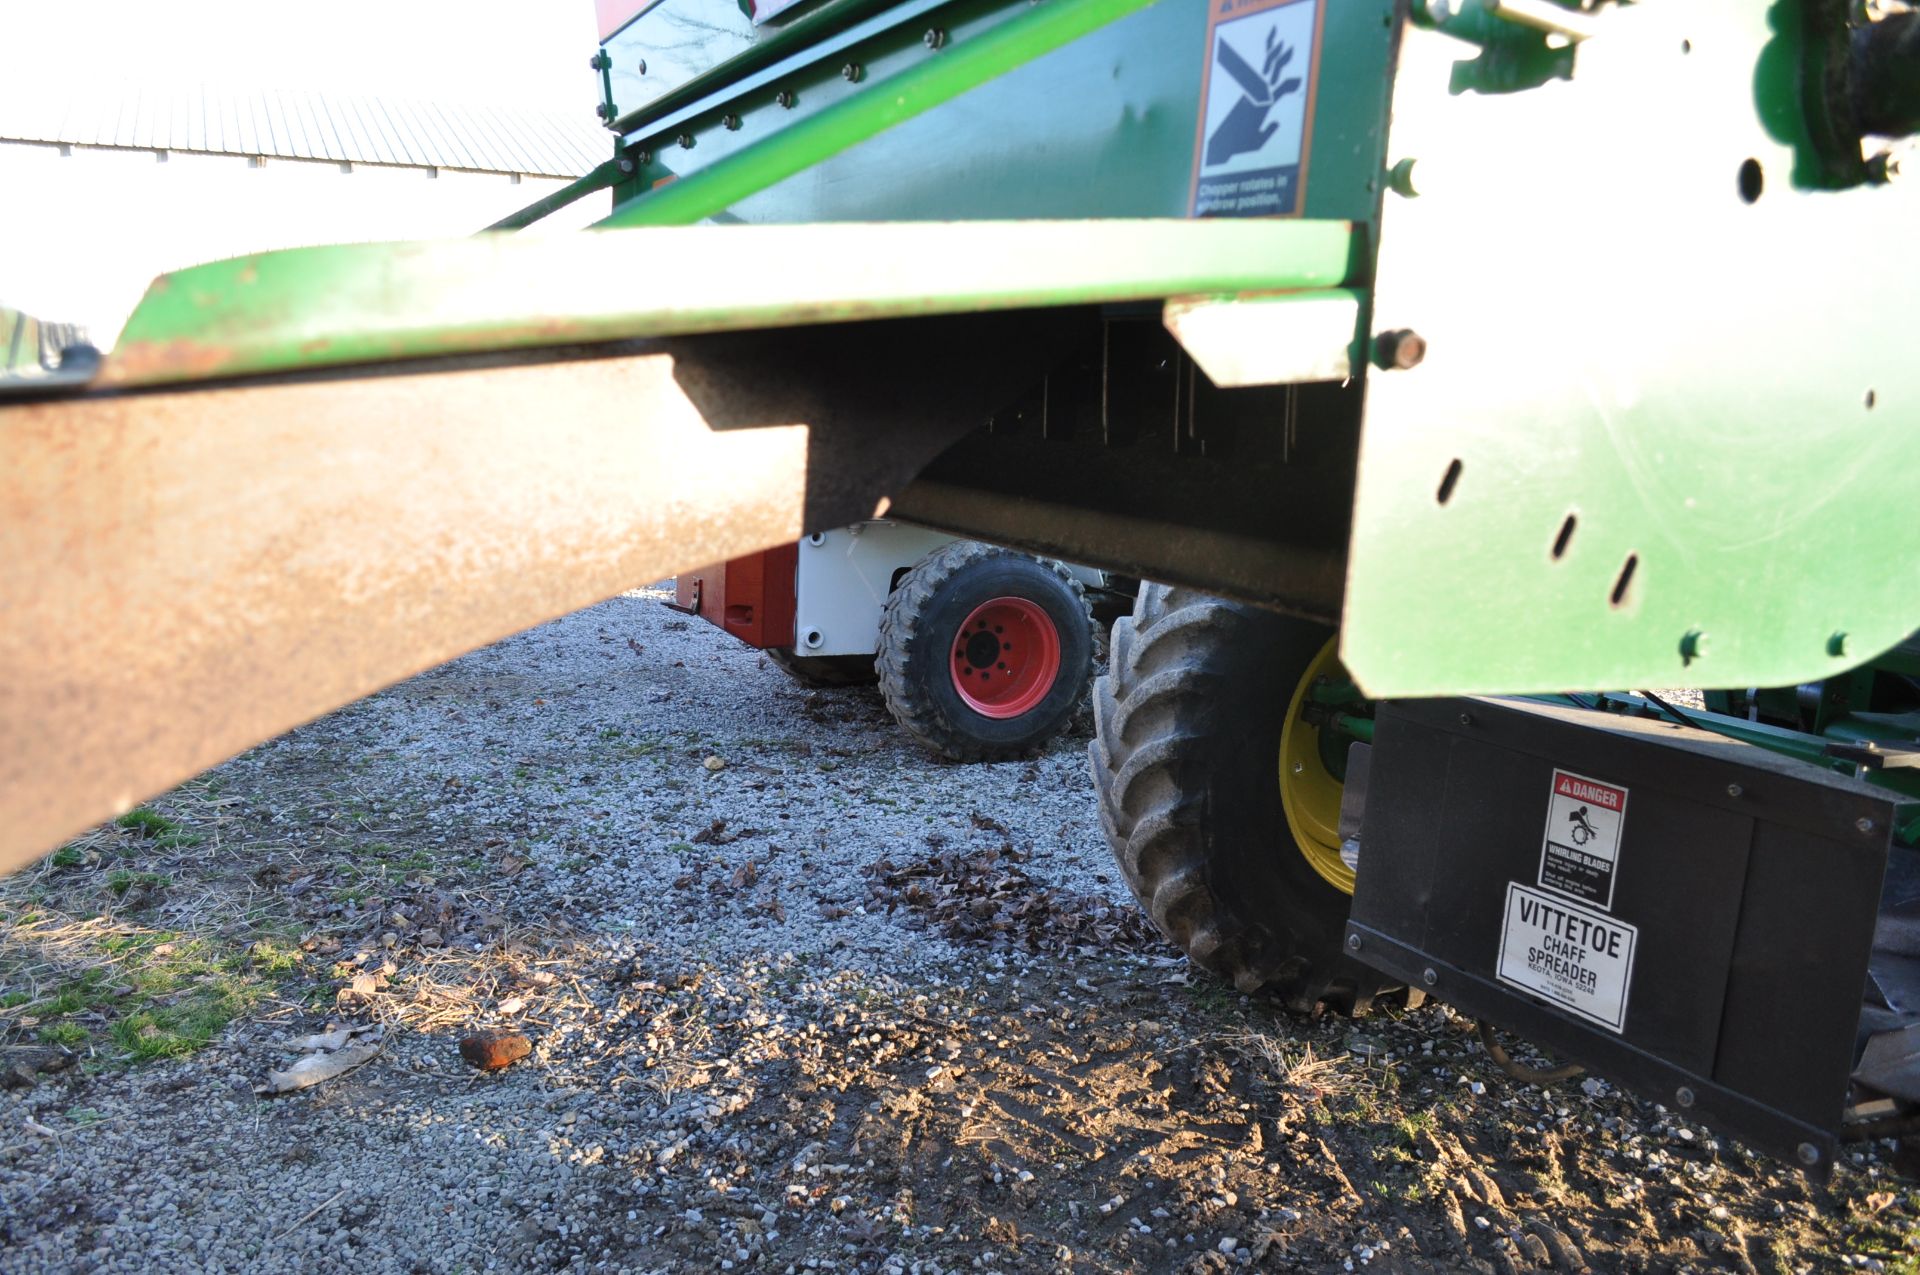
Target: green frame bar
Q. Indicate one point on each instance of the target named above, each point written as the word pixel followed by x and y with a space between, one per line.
pixel 304 308
pixel 599 178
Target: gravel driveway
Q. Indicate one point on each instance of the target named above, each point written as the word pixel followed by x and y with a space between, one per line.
pixel 799 998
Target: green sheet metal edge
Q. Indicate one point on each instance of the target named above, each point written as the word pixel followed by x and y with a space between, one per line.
pixel 359 303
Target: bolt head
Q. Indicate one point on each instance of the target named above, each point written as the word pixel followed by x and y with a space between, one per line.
pixel 850 72
pixel 730 122
pixel 604 110
pixel 1864 824
pixel 1683 1096
pixel 1430 976
pixel 1466 719
pixel 1402 179
pixel 934 38
pixel 1355 943
pixel 686 141
pixel 625 165
pixel 1734 790
pixel 641 66
pixel 784 98
pixel 1400 349
pixel 1808 1153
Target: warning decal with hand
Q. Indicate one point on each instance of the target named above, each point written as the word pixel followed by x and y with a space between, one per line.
pixel 1256 100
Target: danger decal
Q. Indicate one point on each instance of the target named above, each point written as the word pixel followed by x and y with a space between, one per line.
pixel 1579 959
pixel 1256 108
pixel 1581 848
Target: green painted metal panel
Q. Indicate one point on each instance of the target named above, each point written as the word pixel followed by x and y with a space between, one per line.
pixel 1104 126
pixel 902 95
pixel 358 303
pixel 1637 320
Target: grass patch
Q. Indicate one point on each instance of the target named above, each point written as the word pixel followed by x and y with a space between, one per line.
pixel 120 880
pixel 148 823
pixel 68 857
pixel 1411 1126
pixel 130 993
pixel 157 828
pixel 394 860
pixel 271 957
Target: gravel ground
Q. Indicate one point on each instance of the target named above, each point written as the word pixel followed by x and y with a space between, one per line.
pixel 799 998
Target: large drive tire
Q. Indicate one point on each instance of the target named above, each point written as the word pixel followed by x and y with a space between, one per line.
pixel 985 653
pixel 824 671
pixel 1186 757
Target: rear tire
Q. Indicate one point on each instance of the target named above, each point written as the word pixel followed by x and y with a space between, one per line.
pixel 1187 725
pixel 824 671
pixel 943 672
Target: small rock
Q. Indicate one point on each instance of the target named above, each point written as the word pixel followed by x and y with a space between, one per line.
pixel 715 763
pixel 1228 1244
pixel 490 1051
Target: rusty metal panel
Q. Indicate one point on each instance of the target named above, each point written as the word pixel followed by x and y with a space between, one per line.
pixel 184 574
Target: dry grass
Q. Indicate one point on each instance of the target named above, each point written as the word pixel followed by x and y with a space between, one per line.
pixel 1298 1072
pixel 446 989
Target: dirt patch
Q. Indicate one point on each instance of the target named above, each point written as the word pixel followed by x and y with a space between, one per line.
pixel 973 895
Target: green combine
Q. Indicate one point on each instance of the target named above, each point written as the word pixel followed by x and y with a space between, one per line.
pixel 1466 371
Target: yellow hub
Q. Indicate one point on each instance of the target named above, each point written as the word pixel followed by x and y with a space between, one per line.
pixel 1310 795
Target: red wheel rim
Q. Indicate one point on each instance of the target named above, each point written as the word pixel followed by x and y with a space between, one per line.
pixel 1005 658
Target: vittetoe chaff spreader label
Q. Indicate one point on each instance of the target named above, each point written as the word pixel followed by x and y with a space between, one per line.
pixel 1579 959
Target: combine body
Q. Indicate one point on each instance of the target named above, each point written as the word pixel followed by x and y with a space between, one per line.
pixel 1428 351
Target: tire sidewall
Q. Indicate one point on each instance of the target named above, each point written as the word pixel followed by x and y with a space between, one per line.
pixel 1257 868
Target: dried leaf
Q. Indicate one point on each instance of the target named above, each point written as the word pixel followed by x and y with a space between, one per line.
pixel 315 1068
pixel 336 1039
pixel 490 1051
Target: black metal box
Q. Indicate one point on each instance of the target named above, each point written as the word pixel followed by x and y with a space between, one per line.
pixel 1689 915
